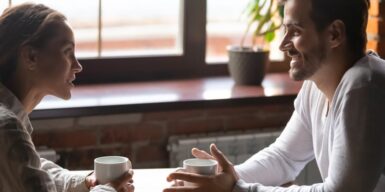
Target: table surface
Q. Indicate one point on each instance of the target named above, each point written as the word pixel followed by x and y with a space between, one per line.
pixel 147 180
pixel 151 180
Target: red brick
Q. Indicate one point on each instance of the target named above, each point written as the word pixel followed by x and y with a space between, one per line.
pixel 235 111
pixel 376 26
pixel 132 133
pixel 173 115
pixel 378 46
pixel 372 45
pixel 253 122
pixel 376 8
pixel 65 139
pixel 277 108
pixel 151 153
pixel 194 126
pixel 84 159
pixel 228 111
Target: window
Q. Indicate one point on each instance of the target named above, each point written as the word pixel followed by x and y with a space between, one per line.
pixel 225 26
pixel 3 5
pixel 141 27
pixel 132 40
pixel 84 23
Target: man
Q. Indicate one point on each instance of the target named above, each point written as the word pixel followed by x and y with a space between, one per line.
pixel 339 116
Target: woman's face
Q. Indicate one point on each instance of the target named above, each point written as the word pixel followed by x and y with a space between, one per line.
pixel 56 64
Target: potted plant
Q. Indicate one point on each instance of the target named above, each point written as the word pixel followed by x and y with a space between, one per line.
pixel 247 64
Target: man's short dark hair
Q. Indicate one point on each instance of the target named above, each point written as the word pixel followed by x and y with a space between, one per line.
pixel 353 13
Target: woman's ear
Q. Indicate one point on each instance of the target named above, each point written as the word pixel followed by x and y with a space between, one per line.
pixel 337 33
pixel 28 56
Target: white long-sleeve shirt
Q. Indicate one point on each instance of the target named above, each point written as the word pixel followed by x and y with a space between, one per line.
pixel 347 142
pixel 21 169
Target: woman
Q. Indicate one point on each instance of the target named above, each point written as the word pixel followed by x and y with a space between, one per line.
pixel 37 58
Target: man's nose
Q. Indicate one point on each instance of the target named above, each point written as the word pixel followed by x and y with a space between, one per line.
pixel 286 44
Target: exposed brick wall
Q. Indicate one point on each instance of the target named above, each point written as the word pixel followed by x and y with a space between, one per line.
pixel 143 137
pixel 376 27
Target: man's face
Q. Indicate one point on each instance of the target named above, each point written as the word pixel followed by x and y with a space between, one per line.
pixel 302 42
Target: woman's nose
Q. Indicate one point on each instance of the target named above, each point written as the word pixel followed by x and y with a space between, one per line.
pixel 77 67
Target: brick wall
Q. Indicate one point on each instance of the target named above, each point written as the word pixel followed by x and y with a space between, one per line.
pixel 376 27
pixel 143 137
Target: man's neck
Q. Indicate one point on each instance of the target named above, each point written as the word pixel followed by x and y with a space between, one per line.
pixel 330 74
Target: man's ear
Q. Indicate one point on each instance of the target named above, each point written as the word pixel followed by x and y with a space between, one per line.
pixel 337 33
pixel 28 56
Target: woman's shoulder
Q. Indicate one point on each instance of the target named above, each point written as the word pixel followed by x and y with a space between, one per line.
pixel 7 118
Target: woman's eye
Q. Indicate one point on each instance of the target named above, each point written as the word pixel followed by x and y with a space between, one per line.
pixel 68 50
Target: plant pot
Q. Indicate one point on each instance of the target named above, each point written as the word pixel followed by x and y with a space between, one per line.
pixel 247 66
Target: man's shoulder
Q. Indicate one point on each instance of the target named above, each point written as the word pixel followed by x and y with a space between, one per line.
pixel 369 71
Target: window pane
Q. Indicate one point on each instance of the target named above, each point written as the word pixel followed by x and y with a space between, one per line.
pixel 3 5
pixel 83 18
pixel 225 26
pixel 145 27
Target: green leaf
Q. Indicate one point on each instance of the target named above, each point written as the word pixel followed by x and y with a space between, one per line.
pixel 270 36
pixel 281 8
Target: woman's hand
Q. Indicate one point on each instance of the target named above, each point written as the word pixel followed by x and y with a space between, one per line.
pixel 91 180
pixel 123 184
pixel 222 182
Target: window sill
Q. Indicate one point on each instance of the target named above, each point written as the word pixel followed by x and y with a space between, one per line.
pixel 166 95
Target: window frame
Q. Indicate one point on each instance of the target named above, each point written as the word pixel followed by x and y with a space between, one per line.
pixel 190 64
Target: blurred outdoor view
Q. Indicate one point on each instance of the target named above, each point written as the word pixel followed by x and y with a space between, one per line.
pixel 145 27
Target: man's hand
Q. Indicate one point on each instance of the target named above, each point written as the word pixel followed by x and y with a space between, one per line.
pixel 201 154
pixel 222 182
pixel 123 184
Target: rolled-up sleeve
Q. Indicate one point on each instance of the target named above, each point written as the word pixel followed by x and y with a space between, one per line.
pixel 64 179
pixel 19 162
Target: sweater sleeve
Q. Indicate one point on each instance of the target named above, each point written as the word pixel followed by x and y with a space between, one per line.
pixel 283 160
pixel 19 162
pixel 358 153
pixel 64 180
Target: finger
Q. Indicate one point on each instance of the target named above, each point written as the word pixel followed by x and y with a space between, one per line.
pixel 220 157
pixel 91 180
pixel 130 188
pixel 177 183
pixel 126 188
pixel 190 177
pixel 180 189
pixel 201 154
pixel 122 180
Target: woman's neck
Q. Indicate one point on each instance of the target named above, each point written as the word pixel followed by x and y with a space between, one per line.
pixel 24 91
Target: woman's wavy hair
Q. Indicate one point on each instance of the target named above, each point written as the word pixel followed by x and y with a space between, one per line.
pixel 25 24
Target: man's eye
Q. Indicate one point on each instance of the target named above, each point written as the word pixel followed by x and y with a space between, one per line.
pixel 296 33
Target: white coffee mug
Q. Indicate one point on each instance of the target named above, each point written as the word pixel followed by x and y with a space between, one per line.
pixel 199 166
pixel 109 168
